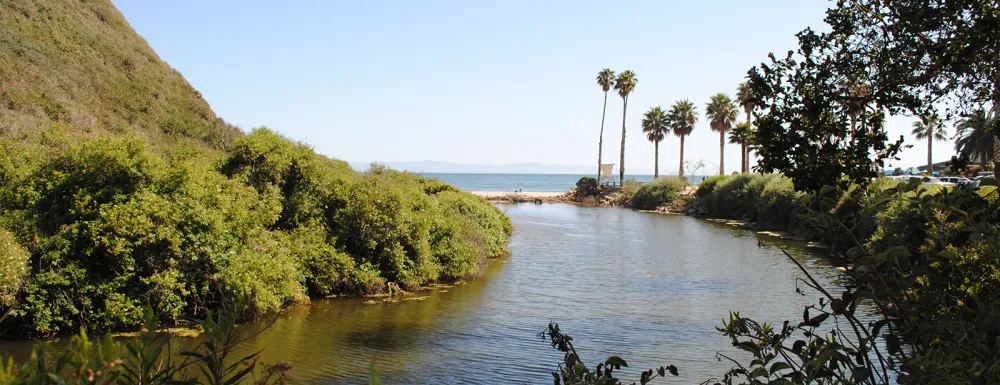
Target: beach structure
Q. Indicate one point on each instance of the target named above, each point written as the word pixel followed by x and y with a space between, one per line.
pixel 607 172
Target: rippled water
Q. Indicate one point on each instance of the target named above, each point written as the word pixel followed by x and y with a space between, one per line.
pixel 648 287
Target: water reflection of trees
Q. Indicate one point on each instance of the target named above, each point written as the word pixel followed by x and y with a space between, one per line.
pixel 336 338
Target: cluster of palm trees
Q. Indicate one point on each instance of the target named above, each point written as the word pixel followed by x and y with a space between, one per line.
pixel 624 83
pixel 974 136
pixel 680 119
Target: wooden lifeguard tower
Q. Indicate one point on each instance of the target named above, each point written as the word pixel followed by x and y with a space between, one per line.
pixel 607 174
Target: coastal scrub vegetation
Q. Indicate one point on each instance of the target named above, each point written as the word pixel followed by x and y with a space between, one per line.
pixel 121 189
pixel 657 192
pixel 111 225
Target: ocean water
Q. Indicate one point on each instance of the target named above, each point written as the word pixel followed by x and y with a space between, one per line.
pixel 526 182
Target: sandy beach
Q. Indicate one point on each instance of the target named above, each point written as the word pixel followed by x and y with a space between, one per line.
pixel 526 196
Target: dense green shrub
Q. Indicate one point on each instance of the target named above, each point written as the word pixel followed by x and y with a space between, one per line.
pixel 768 199
pixel 658 192
pixel 623 197
pixel 586 187
pixel 114 225
pixel 707 186
pixel 778 206
pixel 325 270
pixel 471 228
pixel 13 268
pixel 384 225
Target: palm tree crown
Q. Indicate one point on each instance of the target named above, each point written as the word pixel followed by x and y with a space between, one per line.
pixel 974 136
pixel 606 79
pixel 932 129
pixel 625 83
pixel 682 118
pixel 740 133
pixel 929 127
pixel 746 97
pixel 655 125
pixel 721 113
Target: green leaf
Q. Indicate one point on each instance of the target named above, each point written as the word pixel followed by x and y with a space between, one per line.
pixel 616 361
pixel 778 366
pixel 861 373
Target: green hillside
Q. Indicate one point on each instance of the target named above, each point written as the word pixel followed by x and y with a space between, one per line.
pixel 120 188
pixel 79 63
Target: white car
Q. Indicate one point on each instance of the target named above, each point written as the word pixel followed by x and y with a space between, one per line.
pixel 925 179
pixel 935 180
pixel 956 180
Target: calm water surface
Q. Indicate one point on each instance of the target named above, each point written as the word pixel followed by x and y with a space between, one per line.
pixel 648 287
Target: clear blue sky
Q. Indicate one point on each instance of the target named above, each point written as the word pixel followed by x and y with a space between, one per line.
pixel 487 82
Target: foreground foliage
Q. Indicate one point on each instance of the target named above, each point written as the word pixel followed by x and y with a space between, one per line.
pixel 572 371
pixel 924 257
pixel 148 359
pixel 111 225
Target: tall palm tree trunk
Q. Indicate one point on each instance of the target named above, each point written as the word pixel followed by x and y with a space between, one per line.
pixel 600 143
pixel 722 153
pixel 621 163
pixel 680 172
pixel 930 143
pixel 656 159
pixel 746 145
pixel 743 157
pixel 996 139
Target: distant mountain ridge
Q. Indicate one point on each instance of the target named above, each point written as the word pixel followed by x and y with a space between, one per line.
pixel 430 166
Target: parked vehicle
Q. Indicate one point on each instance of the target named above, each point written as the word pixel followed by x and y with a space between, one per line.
pixel 956 180
pixel 984 181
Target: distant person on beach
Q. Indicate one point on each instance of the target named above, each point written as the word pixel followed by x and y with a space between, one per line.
pixel 519 188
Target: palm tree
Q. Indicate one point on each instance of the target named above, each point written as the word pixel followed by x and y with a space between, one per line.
pixel 605 79
pixel 746 97
pixel 721 113
pixel 932 129
pixel 682 118
pixel 654 124
pixel 974 136
pixel 740 134
pixel 624 84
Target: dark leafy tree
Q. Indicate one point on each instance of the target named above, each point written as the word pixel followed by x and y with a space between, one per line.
pixel 880 56
pixel 920 54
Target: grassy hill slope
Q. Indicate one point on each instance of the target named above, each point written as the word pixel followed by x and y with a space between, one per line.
pixel 79 63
